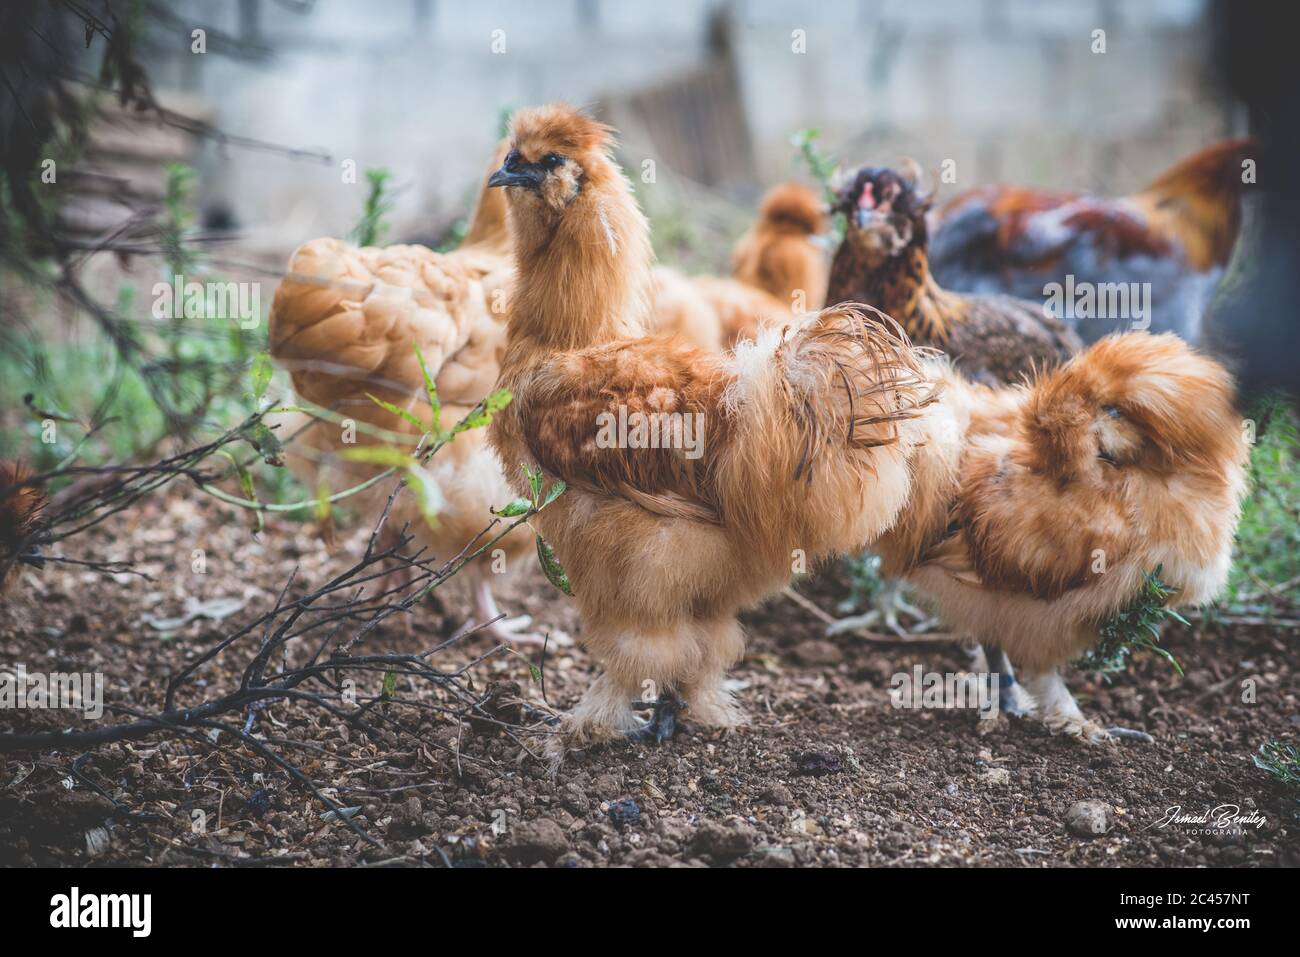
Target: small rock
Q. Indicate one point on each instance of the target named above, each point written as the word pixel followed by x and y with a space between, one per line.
pixel 723 843
pixel 625 812
pixel 817 652
pixel 1088 818
pixel 996 776
pixel 540 840
pixel 777 794
pixel 408 820
pixel 818 763
pixel 97 841
pixel 258 803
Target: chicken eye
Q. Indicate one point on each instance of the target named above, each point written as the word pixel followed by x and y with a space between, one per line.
pixel 552 160
pixel 1111 411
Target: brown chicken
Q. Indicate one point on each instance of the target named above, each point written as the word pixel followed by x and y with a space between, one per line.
pixel 777 254
pixel 1175 236
pixel 21 505
pixel 345 323
pixel 1038 509
pixel 883 261
pixel 786 452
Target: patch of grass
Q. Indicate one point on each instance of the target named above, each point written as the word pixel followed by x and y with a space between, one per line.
pixel 1136 626
pixel 1268 538
pixel 1281 760
pixel 371 228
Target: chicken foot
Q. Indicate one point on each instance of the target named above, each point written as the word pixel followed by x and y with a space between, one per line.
pixel 663 722
pixel 511 631
pixel 1056 708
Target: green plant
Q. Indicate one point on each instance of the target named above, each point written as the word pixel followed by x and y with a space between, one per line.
pixel 823 167
pixel 371 229
pixel 1281 760
pixel 1266 567
pixel 1135 626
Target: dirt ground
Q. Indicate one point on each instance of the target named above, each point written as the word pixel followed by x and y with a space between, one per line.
pixel 828 774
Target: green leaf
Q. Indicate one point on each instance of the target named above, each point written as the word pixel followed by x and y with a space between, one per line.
pixel 323 506
pixel 384 455
pixel 396 410
pixel 261 374
pixel 482 414
pixel 430 390
pixel 390 685
pixel 552 568
pixel 260 437
pixel 554 492
pixel 250 492
pixel 519 506
pixel 534 481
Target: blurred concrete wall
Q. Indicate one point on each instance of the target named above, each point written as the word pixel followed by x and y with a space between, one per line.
pixel 1006 88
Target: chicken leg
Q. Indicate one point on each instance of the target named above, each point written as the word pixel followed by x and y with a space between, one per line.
pixel 1056 708
pixel 487 618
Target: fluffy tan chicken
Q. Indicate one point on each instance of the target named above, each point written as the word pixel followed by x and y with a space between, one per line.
pixel 1037 510
pixel 345 323
pixel 787 451
pixel 777 254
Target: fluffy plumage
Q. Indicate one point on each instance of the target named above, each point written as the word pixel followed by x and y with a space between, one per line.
pixel 1176 234
pixel 777 255
pixel 1040 508
pixel 800 448
pixel 21 505
pixel 345 323
pixel 883 261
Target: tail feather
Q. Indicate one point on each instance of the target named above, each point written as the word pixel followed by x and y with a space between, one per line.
pixel 21 505
pixel 816 411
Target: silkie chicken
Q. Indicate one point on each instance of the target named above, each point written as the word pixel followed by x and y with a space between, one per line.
pixel 1038 509
pixel 777 253
pixel 21 505
pixel 345 323
pixel 799 450
pixel 1177 234
pixel 883 261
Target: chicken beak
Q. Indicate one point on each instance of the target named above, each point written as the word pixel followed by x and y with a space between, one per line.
pixel 520 176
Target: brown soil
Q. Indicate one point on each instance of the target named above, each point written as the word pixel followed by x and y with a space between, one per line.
pixel 829 773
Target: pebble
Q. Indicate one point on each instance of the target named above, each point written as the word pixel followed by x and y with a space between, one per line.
pixel 1088 818
pixel 996 776
pixel 540 840
pixel 723 843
